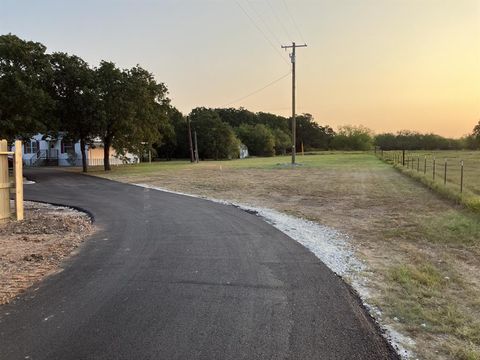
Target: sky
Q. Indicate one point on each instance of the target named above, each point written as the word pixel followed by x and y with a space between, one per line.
pixel 389 65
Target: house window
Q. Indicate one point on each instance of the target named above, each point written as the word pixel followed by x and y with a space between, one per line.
pixel 68 147
pixel 31 147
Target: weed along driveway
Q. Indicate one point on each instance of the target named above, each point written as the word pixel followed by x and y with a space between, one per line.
pixel 173 277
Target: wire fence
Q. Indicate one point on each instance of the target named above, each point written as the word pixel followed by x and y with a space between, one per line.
pixel 458 170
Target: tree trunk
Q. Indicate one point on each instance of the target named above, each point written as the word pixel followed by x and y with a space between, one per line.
pixel 107 142
pixel 84 155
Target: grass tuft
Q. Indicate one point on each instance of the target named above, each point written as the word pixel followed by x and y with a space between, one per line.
pixel 452 227
pixel 471 352
pixel 411 277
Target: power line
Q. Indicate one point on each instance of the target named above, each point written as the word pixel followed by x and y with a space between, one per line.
pixel 258 90
pixel 293 20
pixel 262 19
pixel 261 31
pixel 287 33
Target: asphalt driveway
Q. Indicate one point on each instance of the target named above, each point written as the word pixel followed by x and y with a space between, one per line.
pixel 173 277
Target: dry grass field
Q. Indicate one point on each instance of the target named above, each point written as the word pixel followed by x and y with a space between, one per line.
pixel 422 250
pixel 420 164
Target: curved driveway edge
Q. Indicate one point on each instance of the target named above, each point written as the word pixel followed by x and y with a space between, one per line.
pixel 175 277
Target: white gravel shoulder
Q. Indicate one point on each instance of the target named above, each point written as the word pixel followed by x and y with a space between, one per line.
pixel 332 248
pixel 34 205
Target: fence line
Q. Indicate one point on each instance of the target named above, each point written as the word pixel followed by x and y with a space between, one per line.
pixel 100 161
pixel 409 161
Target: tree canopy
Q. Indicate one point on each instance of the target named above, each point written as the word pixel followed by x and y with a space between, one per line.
pixel 353 138
pixel 411 140
pixel 133 109
pixel 216 139
pixel 25 74
pixel 312 135
pixel 76 96
pixel 51 93
pixel 258 138
pixel 476 130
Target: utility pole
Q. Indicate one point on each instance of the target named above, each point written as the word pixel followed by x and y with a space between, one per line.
pixel 196 146
pixel 192 158
pixel 294 122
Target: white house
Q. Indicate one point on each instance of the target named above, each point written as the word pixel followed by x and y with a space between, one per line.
pixel 243 151
pixel 45 151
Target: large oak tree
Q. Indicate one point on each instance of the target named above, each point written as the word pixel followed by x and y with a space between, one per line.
pixel 133 108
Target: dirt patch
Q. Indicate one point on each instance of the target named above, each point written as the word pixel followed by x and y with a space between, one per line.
pixel 36 247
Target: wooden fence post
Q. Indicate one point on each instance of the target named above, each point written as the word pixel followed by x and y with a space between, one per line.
pixel 4 182
pixel 18 163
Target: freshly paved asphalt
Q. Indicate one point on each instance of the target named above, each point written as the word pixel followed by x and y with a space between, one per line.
pixel 173 277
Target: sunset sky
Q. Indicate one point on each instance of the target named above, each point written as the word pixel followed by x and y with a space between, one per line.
pixel 386 64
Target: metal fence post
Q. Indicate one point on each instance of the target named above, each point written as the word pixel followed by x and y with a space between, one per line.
pixel 461 176
pixel 434 168
pixel 445 174
pixel 418 163
pixel 425 166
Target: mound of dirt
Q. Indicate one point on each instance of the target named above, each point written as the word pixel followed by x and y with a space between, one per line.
pixel 36 247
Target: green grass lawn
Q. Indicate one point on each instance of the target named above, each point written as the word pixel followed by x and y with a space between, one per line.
pixel 318 159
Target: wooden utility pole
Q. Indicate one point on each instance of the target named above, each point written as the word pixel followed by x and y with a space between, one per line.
pixel 196 147
pixel 192 158
pixel 294 122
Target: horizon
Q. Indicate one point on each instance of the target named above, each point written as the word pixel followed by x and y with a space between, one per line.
pixel 388 66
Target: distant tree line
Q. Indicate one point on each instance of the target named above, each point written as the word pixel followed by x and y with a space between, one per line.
pixel 409 140
pixel 130 111
pixel 221 131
